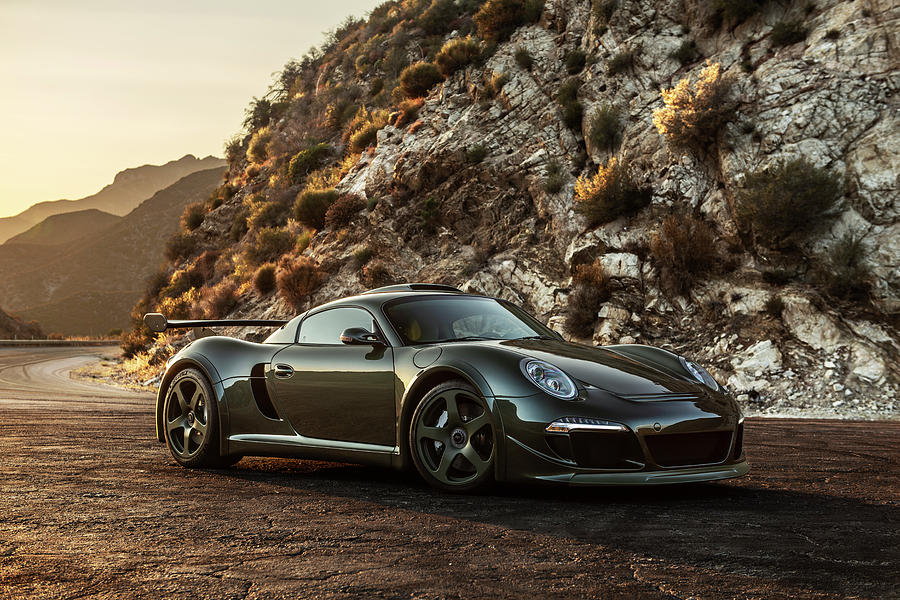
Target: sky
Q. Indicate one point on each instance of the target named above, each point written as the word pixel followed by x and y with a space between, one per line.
pixel 91 88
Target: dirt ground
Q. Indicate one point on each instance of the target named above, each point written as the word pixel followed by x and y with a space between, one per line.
pixel 91 506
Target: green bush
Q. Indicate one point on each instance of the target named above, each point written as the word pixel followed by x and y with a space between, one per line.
pixel 266 213
pixel 524 59
pixel 693 114
pixel 437 18
pixel 787 201
pixel 456 54
pixel 307 160
pixel 684 251
pixel 418 78
pixel 614 191
pixel 193 216
pixel 605 128
pixel 496 20
pixel 620 63
pixel 573 110
pixel 736 11
pixel 555 177
pixel 375 86
pixel 362 255
pixel 575 61
pixel 311 206
pixel 364 137
pixel 785 33
pixel 475 154
pixel 844 274
pixel 180 246
pixel 239 226
pixel 270 244
pixel 264 279
pixel 686 53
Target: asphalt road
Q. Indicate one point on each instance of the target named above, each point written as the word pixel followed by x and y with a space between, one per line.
pixel 92 507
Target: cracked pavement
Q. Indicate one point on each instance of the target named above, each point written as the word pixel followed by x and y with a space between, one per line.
pixel 93 507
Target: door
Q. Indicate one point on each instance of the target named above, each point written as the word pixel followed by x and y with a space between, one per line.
pixel 335 391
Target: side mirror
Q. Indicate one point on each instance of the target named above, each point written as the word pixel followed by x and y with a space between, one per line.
pixel 361 336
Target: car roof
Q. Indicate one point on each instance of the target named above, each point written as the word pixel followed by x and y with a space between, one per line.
pixel 376 298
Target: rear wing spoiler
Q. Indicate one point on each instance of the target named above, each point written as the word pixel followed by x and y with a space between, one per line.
pixel 157 322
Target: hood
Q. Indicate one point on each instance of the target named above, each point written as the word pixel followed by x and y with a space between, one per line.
pixel 620 375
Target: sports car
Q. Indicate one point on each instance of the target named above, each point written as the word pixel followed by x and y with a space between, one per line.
pixel 466 389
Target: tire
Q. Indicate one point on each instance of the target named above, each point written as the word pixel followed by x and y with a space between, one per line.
pixel 191 422
pixel 452 438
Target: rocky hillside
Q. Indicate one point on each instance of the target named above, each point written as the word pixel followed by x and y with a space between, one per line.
pixel 717 178
pixel 12 328
pixel 129 188
pixel 88 286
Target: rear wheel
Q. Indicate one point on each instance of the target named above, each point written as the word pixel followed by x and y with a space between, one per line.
pixel 191 422
pixel 452 438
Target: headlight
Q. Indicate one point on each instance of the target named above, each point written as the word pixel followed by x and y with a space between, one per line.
pixel 549 378
pixel 699 373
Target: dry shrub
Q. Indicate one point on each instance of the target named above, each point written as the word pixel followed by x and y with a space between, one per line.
pixel 264 279
pixel 219 300
pixel 407 111
pixel 193 215
pixel 844 274
pixel 375 274
pixel 311 206
pixel 342 211
pixel 363 138
pixel 267 212
pixel 456 54
pixel 523 58
pixel 606 129
pixel 418 78
pixel 787 201
pixel 614 191
pixel 296 279
pixel 498 19
pixel 416 126
pixel 205 265
pixel 785 33
pixel 362 131
pixel 694 114
pixel 591 291
pixel 683 250
pixel 567 97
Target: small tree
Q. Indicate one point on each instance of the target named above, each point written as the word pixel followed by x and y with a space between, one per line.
pixel 786 202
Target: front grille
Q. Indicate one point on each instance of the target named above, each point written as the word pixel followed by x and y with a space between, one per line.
pixel 684 449
pixel 606 450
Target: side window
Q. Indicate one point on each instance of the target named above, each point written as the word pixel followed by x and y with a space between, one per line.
pixel 327 326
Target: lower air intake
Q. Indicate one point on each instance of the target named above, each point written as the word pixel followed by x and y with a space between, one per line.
pixel 686 449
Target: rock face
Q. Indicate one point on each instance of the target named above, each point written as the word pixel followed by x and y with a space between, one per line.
pixel 499 229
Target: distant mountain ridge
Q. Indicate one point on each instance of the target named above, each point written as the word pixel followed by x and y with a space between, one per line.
pixel 128 189
pixel 88 286
pixel 66 227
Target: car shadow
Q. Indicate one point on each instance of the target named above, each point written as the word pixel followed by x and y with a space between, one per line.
pixel 819 542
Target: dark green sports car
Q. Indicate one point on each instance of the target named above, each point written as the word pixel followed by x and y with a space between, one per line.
pixel 467 388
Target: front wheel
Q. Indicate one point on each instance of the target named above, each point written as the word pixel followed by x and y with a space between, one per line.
pixel 452 439
pixel 191 421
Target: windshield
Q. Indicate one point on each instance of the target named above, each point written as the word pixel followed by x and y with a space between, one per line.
pixel 431 319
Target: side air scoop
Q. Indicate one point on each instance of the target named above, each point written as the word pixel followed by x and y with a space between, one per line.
pixel 157 322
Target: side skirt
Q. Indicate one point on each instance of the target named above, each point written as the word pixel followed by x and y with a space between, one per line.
pixel 250 444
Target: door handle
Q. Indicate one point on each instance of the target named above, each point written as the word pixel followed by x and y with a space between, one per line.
pixel 283 371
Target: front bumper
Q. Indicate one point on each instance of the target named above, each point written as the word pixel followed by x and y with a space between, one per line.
pixel 675 440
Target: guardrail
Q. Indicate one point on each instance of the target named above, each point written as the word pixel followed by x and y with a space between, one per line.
pixel 13 343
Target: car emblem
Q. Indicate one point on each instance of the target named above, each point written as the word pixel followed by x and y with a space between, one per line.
pixel 458 437
pixel 657 427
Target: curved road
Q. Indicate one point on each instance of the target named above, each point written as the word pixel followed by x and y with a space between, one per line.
pixel 92 507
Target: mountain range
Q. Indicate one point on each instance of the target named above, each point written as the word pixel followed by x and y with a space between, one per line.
pixel 80 272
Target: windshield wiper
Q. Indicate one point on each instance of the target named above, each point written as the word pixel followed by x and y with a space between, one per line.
pixel 537 337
